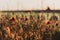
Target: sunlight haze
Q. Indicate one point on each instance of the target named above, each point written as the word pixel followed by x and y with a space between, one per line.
pixel 29 4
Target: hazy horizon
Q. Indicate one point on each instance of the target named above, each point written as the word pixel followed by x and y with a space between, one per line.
pixel 29 4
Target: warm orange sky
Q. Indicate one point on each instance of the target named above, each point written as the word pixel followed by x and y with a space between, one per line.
pixel 28 4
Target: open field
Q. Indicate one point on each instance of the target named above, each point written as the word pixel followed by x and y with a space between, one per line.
pixel 29 26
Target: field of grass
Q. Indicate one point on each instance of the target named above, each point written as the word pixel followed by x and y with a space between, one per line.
pixel 47 15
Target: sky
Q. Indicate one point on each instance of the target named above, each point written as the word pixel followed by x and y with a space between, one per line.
pixel 29 4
